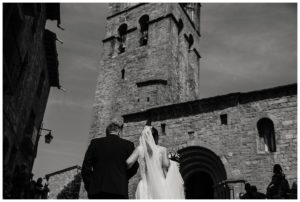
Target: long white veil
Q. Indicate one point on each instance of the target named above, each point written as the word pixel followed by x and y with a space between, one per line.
pixel 159 186
pixel 156 182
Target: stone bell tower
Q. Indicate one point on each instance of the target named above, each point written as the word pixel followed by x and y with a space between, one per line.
pixel 150 58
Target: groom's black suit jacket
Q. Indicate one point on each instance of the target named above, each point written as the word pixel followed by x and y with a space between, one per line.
pixel 104 167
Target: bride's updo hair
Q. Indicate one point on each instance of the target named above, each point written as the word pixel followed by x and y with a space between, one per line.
pixel 154 134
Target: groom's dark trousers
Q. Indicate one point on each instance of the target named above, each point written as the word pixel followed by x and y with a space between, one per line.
pixel 104 170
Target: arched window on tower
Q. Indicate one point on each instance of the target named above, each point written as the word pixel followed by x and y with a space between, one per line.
pixel 123 73
pixel 122 37
pixel 190 41
pixel 266 133
pixel 180 25
pixel 144 26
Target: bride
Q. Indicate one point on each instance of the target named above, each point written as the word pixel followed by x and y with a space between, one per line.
pixel 160 177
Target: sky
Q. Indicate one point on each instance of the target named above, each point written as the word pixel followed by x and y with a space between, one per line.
pixel 244 47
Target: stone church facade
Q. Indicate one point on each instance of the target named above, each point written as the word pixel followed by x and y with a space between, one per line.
pixel 222 137
pixel 150 72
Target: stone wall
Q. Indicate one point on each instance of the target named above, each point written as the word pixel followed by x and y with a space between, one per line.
pixel 198 123
pixel 58 182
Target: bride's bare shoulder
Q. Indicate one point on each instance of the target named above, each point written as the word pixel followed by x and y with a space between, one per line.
pixel 140 149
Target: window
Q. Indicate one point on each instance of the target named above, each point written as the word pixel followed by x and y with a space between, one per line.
pixel 223 118
pixel 190 41
pixel 123 73
pixel 41 84
pixel 191 134
pixel 163 128
pixel 122 37
pixel 148 99
pixel 266 133
pixel 180 26
pixel 144 25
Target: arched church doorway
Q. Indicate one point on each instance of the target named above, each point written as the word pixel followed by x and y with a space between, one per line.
pixel 199 186
pixel 202 170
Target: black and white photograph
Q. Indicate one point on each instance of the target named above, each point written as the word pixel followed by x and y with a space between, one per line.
pixel 149 100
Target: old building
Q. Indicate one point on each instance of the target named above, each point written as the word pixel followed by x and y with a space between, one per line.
pixel 65 183
pixel 227 139
pixel 150 72
pixel 30 68
pixel 141 67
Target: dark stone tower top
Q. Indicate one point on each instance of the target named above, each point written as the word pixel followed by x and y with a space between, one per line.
pixel 192 11
pixel 115 8
pixel 150 58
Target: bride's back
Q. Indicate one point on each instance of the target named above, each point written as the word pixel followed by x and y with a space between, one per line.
pixel 161 151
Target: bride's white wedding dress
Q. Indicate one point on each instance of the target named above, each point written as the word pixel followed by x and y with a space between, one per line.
pixel 154 183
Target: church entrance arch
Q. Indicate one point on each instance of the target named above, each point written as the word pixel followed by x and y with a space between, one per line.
pixel 202 171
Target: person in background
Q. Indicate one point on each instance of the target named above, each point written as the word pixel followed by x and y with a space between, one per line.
pixel 247 195
pixel 38 189
pixel 29 193
pixel 279 186
pixel 45 191
pixel 20 182
pixel 255 194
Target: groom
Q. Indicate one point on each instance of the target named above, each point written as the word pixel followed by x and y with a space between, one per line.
pixel 104 169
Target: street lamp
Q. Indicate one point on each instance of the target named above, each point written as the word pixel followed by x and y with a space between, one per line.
pixel 49 136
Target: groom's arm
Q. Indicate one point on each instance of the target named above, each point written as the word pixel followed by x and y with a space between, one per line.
pixel 132 171
pixel 86 170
